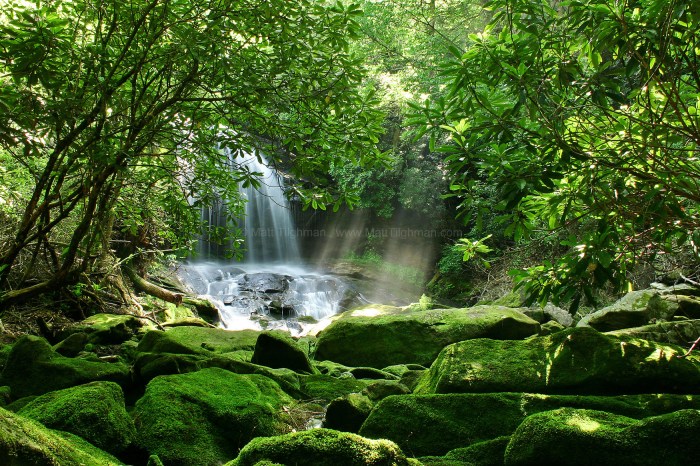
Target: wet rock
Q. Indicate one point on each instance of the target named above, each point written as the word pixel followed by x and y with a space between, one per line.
pixel 263 282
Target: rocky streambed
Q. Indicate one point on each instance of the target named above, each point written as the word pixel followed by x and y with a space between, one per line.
pixel 487 385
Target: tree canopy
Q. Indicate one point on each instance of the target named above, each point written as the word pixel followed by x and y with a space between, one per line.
pixel 110 101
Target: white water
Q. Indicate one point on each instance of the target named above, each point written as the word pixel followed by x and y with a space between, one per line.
pixel 270 248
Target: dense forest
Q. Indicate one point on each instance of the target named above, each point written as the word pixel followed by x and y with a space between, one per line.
pixel 527 154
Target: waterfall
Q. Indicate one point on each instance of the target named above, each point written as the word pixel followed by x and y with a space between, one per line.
pixel 268 226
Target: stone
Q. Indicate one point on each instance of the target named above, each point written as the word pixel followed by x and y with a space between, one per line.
pixel 487 453
pixel 551 327
pixel 321 447
pixel 372 373
pixel 198 340
pixel 106 329
pixel 436 424
pixel 579 360
pixel 34 368
pixel 383 336
pixel 632 310
pixel 277 350
pixel 571 437
pixel 94 411
pixel 205 417
pixel 26 442
pixel 325 387
pixel 683 332
pixel 380 389
pixel 348 412
pixel 680 289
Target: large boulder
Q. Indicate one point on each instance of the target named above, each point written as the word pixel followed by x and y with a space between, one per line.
pixel 198 340
pixel 579 360
pixel 34 368
pixel 348 412
pixel 26 442
pixel 383 336
pixel 570 437
pixel 106 329
pixel 206 417
pixel 277 351
pixel 436 424
pixel 94 411
pixel 632 310
pixel 682 332
pixel 320 447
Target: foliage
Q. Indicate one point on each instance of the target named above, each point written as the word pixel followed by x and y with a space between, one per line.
pixel 125 112
pixel 584 115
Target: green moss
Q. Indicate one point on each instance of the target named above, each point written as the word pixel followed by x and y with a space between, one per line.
pixel 583 437
pixel 678 332
pixel 435 424
pixel 33 368
pixel 380 389
pixel 321 447
pixel 579 360
pixel 376 338
pixel 277 350
pixel 94 411
pixel 198 340
pixel 348 412
pixel 331 368
pixel 105 329
pixel 24 442
pixel 488 453
pixel 325 387
pixel 205 417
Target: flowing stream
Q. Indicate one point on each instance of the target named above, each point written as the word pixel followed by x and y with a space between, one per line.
pixel 271 288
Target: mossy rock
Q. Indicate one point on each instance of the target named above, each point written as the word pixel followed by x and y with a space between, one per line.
pixel 33 368
pixel 94 411
pixel 635 309
pixel 551 327
pixel 106 329
pixel 27 442
pixel 384 338
pixel 380 389
pixel 147 366
pixel 579 360
pixel 348 412
pixel 573 437
pixel 277 350
pixel 72 345
pixel 205 417
pixel 325 387
pixel 321 447
pixel 682 333
pixel 331 368
pixel 488 453
pixel 372 373
pixel 435 424
pixel 198 340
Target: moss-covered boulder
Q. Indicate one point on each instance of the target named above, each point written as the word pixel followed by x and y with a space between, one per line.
pixel 488 453
pixel 380 389
pixel 348 412
pixel 205 417
pixel 278 350
pixel 320 447
pixel 198 340
pixel 682 332
pixel 571 437
pixel 325 387
pixel 435 424
pixel 26 442
pixel 94 411
pixel 635 309
pixel 387 336
pixel 579 360
pixel 106 329
pixel 72 345
pixel 34 368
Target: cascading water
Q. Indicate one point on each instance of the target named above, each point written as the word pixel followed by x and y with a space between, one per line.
pixel 271 288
